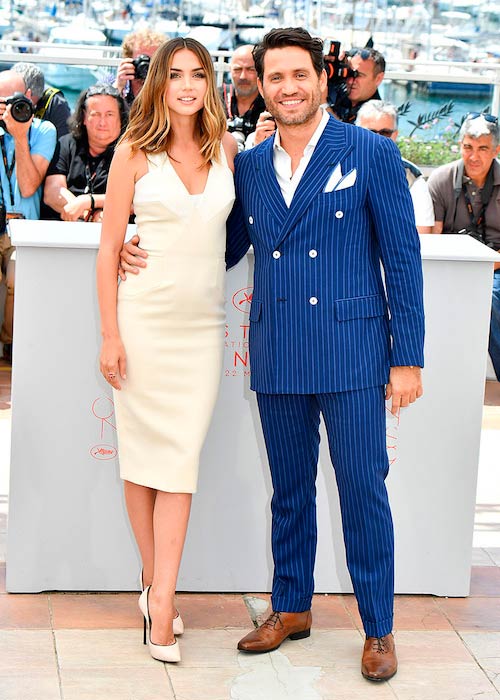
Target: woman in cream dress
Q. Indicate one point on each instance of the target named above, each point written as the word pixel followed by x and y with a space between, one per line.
pixel 163 329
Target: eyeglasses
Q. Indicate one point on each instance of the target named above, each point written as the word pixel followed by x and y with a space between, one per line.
pixel 383 132
pixel 488 117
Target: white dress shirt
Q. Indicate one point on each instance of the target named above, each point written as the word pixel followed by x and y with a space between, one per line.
pixel 283 163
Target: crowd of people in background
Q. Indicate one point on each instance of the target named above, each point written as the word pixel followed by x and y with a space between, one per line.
pixel 55 164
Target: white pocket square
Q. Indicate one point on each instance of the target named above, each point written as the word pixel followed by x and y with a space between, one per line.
pixel 337 181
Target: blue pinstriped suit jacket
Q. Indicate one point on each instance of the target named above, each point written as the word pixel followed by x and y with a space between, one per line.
pixel 357 329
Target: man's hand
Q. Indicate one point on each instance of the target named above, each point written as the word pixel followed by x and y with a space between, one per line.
pixel 405 387
pixel 126 72
pixel 76 208
pixel 266 126
pixel 18 130
pixel 131 258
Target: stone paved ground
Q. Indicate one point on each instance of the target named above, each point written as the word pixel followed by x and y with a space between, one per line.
pixel 63 646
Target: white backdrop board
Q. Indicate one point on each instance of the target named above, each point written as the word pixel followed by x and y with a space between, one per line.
pixel 68 528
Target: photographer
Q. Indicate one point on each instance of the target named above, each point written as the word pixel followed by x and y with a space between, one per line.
pixel 75 187
pixel 137 49
pixel 27 145
pixel 367 70
pixel 242 102
pixel 49 102
pixel 466 196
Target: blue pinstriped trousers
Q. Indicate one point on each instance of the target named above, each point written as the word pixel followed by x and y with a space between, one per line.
pixel 355 424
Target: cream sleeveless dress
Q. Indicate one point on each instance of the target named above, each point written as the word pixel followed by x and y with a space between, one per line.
pixel 171 319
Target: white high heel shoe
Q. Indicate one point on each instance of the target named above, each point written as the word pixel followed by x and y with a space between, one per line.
pixel 177 623
pixel 170 653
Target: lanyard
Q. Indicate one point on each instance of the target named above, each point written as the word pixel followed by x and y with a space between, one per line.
pixel 478 221
pixel 228 96
pixel 460 187
pixel 9 169
pixel 89 177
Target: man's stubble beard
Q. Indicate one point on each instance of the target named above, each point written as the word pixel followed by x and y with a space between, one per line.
pixel 298 119
pixel 245 91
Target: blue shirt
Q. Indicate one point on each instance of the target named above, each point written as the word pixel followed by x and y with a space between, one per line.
pixel 42 142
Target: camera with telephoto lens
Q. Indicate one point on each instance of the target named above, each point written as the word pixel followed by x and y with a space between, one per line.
pixel 240 128
pixel 337 71
pixel 21 108
pixel 141 66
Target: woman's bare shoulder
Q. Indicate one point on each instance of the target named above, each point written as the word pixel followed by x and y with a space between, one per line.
pixel 134 160
pixel 230 148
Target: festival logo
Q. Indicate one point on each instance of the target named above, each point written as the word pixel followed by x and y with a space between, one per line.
pixel 242 299
pixel 103 452
pixel 103 409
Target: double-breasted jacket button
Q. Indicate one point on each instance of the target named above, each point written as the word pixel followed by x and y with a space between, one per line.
pixel 313 301
pixel 339 214
pixel 276 254
pixel 313 253
pixel 250 219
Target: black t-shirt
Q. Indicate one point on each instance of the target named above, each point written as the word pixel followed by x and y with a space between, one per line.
pixel 84 173
pixel 345 110
pixel 58 111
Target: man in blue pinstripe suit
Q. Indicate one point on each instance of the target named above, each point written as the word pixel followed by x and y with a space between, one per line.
pixel 324 204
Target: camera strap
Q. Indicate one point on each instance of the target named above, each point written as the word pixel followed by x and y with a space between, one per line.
pixel 43 104
pixel 9 169
pixel 89 177
pixel 477 222
pixel 228 97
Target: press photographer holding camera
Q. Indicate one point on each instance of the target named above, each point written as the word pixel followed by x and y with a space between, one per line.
pixel 353 79
pixel 27 145
pixel 466 197
pixel 242 102
pixel 137 49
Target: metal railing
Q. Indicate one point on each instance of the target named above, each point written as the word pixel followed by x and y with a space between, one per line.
pixel 418 71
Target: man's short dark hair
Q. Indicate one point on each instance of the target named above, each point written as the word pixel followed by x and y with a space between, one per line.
pixel 291 36
pixel 370 55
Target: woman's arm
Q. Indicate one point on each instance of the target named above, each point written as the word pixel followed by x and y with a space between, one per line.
pixel 123 174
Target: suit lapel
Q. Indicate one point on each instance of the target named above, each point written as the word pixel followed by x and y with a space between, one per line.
pixel 331 150
pixel 267 183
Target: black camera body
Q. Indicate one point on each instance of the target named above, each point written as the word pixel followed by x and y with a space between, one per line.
pixel 240 128
pixel 474 233
pixel 141 66
pixel 21 108
pixel 337 71
pixel 240 124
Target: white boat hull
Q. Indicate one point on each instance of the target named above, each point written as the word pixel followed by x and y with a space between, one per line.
pixel 70 77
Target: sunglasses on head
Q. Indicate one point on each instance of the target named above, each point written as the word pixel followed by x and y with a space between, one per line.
pixel 102 90
pixel 383 132
pixel 364 53
pixel 488 117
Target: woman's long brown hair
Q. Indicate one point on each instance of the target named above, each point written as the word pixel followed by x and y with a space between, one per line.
pixel 149 124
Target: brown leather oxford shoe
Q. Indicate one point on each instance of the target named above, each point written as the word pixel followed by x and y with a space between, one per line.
pixel 379 662
pixel 278 627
